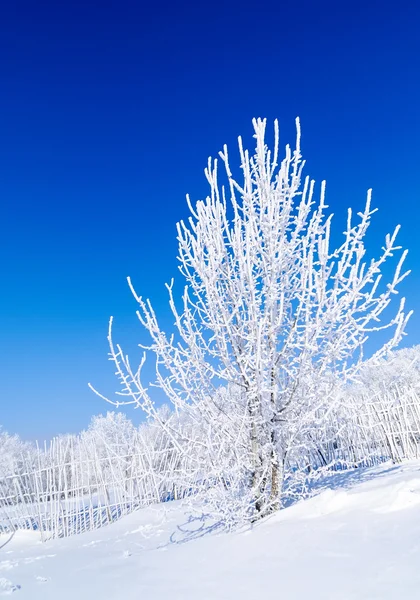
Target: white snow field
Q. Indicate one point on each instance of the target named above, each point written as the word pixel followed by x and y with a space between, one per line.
pixel 359 540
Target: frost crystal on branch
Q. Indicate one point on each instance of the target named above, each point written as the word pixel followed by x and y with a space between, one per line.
pixel 271 326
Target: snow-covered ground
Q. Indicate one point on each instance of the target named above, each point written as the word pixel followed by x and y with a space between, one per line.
pixel 359 540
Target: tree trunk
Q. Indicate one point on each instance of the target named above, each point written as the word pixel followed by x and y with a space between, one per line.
pixel 276 483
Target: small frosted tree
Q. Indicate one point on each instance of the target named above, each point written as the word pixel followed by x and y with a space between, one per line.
pixel 110 443
pixel 270 311
pixel 17 457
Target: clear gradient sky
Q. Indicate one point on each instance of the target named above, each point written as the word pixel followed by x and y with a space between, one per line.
pixel 108 112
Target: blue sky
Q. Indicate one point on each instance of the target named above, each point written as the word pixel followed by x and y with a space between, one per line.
pixel 108 112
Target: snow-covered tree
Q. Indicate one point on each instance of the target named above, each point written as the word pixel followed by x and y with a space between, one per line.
pixel 16 459
pixel 112 434
pixel 109 444
pixel 271 313
pixel 11 449
pixel 400 368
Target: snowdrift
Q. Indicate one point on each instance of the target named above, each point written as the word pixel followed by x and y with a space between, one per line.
pixel 359 539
